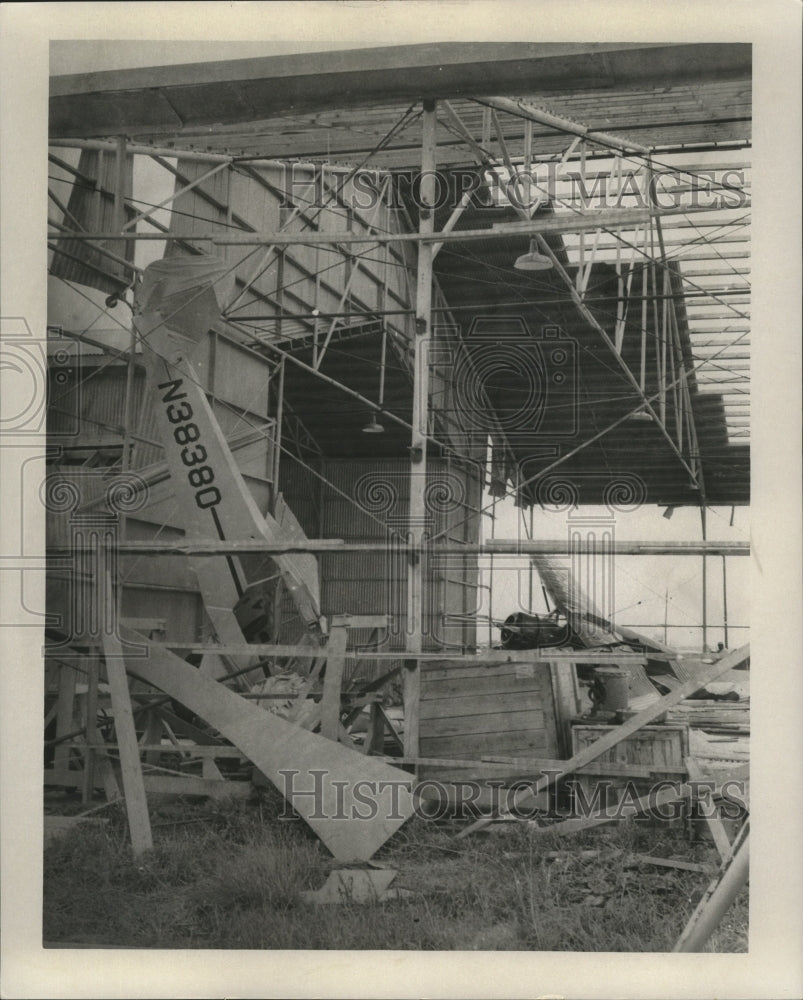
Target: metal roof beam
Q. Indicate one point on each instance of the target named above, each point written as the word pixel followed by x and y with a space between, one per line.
pixel 610 218
pixel 169 98
pixel 522 110
pixel 496 546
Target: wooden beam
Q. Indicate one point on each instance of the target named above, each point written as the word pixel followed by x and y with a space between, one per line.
pixel 65 712
pixel 333 679
pixel 136 803
pixel 498 546
pixel 161 784
pixel 632 725
pixel 577 222
pixel 722 891
pixel 520 657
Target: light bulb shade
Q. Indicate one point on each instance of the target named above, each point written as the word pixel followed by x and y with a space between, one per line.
pixel 533 260
pixel 374 427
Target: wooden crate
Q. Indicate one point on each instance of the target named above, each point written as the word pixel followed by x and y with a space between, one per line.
pixel 661 748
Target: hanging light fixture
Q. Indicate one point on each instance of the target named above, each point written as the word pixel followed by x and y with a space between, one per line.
pixel 641 416
pixel 373 427
pixel 532 261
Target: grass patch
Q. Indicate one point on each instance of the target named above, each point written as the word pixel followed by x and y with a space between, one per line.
pixel 230 875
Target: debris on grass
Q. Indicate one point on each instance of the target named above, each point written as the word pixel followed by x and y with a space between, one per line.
pixel 235 878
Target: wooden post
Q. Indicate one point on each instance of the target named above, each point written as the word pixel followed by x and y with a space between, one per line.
pixel 418 442
pixel 704 525
pixel 333 679
pixel 136 804
pixel 152 736
pixel 64 715
pixel 376 729
pixel 90 721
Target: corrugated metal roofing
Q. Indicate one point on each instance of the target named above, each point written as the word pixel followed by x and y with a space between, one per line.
pixel 339 105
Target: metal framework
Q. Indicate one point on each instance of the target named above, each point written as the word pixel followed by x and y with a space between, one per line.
pixel 648 245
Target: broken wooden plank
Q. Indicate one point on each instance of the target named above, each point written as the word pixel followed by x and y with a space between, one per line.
pixel 715 824
pixel 686 866
pixel 490 722
pixel 473 704
pixel 160 784
pixel 666 796
pixel 317 776
pixel 213 788
pixel 632 725
pixel 356 885
pixel 520 741
pixel 152 734
pixel 374 734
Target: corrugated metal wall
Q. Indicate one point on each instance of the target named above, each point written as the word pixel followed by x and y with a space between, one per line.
pixel 159 587
pixel 367 501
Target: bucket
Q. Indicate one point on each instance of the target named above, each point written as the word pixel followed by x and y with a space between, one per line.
pixel 614 681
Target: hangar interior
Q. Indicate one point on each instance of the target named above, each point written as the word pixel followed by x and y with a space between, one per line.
pixel 417 282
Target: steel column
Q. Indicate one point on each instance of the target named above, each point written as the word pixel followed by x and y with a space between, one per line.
pixel 418 440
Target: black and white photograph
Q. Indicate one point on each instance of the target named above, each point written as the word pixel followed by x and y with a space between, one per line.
pixel 391 548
